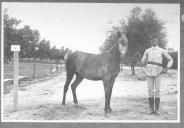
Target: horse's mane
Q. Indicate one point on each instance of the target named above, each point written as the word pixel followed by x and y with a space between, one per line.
pixel 116 43
pixel 114 48
pixel 111 50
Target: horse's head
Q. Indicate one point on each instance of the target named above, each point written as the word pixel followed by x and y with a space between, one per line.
pixel 123 44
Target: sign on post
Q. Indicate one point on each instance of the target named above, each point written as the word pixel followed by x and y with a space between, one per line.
pixel 15 49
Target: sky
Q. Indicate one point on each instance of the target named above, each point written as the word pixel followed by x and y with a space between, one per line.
pixel 84 26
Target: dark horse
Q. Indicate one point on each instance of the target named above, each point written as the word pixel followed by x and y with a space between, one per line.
pixel 103 67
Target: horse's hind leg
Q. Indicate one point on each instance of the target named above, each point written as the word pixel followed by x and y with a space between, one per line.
pixel 74 85
pixel 67 83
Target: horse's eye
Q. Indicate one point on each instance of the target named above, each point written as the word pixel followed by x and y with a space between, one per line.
pixel 123 44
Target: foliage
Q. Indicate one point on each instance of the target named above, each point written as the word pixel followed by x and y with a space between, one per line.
pixel 44 49
pixel 10 33
pixel 112 36
pixel 55 54
pixel 141 25
pixel 28 39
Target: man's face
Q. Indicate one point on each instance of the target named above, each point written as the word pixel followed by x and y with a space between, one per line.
pixel 154 42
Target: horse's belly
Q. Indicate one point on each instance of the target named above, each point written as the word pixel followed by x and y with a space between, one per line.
pixel 93 78
pixel 93 70
pixel 91 74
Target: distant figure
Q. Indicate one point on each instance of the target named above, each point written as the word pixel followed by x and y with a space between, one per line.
pixel 153 57
pixel 6 60
pixel 135 59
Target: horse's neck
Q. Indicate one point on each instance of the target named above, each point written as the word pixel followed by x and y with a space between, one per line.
pixel 115 53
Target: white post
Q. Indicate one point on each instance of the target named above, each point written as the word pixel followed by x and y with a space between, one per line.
pixel 15 49
pixel 16 80
pixel 35 57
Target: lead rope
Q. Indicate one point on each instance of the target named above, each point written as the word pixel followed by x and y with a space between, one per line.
pixel 169 74
pixel 139 64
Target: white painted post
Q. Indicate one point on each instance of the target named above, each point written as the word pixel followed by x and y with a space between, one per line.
pixel 15 49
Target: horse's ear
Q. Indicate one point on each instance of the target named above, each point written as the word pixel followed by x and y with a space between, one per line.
pixel 119 34
pixel 70 51
pixel 66 50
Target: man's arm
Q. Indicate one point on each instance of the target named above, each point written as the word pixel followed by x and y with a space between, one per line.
pixel 170 61
pixel 169 58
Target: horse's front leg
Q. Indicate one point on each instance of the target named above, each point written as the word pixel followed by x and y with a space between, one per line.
pixel 108 85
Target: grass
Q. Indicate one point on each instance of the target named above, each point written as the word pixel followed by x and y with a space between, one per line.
pixel 26 69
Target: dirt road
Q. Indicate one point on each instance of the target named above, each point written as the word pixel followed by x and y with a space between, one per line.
pixel 42 101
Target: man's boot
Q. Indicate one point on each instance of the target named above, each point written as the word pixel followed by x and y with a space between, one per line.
pixel 151 104
pixel 157 102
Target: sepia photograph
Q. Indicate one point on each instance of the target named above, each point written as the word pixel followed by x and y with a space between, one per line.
pixel 90 62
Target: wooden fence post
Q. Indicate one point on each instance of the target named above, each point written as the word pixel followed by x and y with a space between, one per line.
pixel 15 49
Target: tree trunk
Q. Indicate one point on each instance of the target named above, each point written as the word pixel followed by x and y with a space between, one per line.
pixel 133 69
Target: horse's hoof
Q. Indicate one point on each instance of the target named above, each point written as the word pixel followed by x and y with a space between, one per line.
pixel 63 103
pixel 76 105
pixel 109 110
pixel 75 102
pixel 62 106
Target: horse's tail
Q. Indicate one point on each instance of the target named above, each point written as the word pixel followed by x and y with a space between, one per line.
pixel 65 53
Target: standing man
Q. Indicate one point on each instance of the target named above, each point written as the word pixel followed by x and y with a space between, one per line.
pixel 153 58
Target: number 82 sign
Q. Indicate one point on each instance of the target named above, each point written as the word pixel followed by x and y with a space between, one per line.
pixel 15 48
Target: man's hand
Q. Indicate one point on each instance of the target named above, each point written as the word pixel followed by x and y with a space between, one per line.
pixel 143 64
pixel 164 70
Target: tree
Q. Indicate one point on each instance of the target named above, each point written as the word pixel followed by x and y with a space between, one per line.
pixel 112 36
pixel 10 34
pixel 140 27
pixel 55 54
pixel 44 49
pixel 29 39
pixel 170 50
